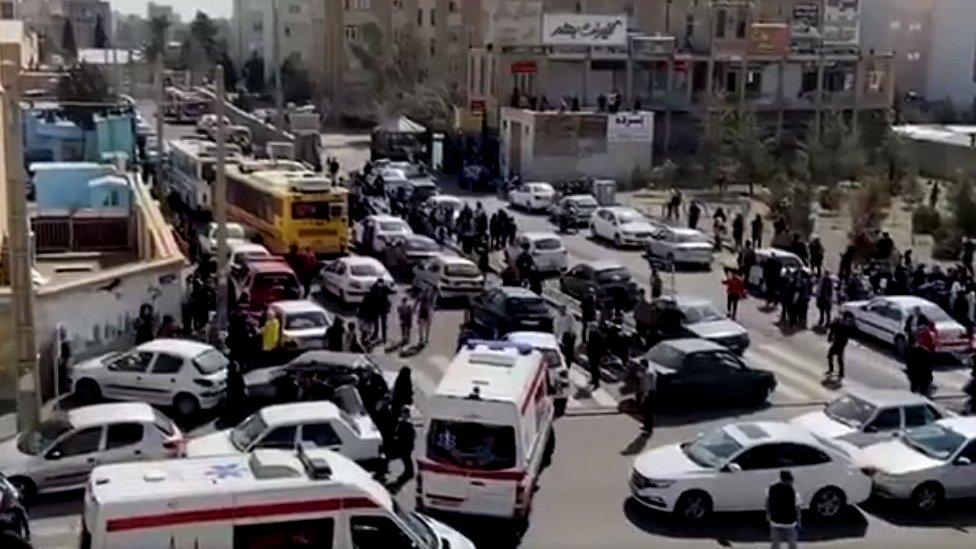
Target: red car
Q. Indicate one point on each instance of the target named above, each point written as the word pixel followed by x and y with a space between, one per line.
pixel 266 280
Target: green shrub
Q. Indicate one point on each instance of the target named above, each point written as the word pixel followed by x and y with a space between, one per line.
pixel 926 220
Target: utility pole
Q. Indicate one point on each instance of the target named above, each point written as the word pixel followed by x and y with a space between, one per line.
pixel 276 54
pixel 24 375
pixel 160 123
pixel 220 208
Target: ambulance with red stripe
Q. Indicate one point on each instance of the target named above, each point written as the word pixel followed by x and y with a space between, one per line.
pixel 488 431
pixel 269 498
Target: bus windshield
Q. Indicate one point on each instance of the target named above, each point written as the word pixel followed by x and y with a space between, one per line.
pixel 471 445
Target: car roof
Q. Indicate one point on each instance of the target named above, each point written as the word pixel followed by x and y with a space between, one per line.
pixel 360 260
pixel 543 340
pixel 692 345
pixel 332 358
pixel 603 264
pixel 622 209
pixel 518 291
pixel 448 259
pixel 907 300
pixel 183 347
pixel 751 433
pixel 418 238
pixel 685 231
pixel 586 197
pixel 776 252
pixel 965 426
pixel 244 246
pixel 686 300
pixel 297 412
pixel 539 235
pixel 100 414
pixel 292 306
pixel 381 218
pixel 887 397
pixel 546 183
pixel 265 266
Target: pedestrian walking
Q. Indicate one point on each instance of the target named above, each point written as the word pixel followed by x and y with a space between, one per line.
pixel 335 336
pixel 738 230
pixel 840 333
pixel 816 249
pixel 383 307
pixel 649 400
pixel 565 332
pixel 402 391
pixel 657 284
pixel 405 316
pixel 783 506
pixel 405 437
pixel 825 298
pixel 595 349
pixel 757 231
pixel 735 290
pixel 588 312
pixel 424 312
pixel 145 324
pixel 694 213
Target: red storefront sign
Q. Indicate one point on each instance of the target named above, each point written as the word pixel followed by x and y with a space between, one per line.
pixel 477 106
pixel 524 67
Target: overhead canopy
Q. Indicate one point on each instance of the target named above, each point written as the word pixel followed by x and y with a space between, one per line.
pixel 401 124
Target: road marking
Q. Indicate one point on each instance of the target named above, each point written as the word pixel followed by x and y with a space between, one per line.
pixel 779 363
pixel 579 380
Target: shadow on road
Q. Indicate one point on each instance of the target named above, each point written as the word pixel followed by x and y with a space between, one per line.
pixel 674 415
pixel 57 504
pixel 729 528
pixel 958 514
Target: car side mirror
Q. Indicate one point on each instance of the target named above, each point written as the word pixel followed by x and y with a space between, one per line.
pixel 733 468
pixel 963 461
pixel 53 455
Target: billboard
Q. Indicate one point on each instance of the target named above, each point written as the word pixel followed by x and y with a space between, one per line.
pixel 630 126
pixel 842 21
pixel 515 23
pixel 769 39
pixel 573 29
pixel 806 20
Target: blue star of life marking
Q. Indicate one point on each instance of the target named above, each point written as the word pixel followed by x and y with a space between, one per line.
pixel 222 471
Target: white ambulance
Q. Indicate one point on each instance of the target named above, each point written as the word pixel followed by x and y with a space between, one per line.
pixel 488 432
pixel 270 498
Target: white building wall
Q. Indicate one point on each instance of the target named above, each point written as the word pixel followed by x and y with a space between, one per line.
pixel 952 69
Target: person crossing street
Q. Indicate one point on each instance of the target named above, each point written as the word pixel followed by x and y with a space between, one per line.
pixel 839 334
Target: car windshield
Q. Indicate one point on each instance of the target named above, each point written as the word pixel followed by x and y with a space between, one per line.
pixel 464 270
pixel 548 244
pixel 712 449
pixel 471 445
pixel 36 441
pixel 790 262
pixel 422 245
pixel 210 362
pixel 392 226
pixel 628 217
pixel 934 313
pixel 526 305
pixel 413 522
pixel 247 431
pixel 348 399
pixel 850 411
pixel 242 257
pixel 615 274
pixel 934 440
pixel 306 320
pixel 689 237
pixel 364 269
pixel 666 356
pixel 701 313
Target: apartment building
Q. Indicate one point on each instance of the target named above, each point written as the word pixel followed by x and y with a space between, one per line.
pixel 787 60
pixel 47 18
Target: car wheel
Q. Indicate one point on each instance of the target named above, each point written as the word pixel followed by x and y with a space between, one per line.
pixel 828 502
pixel 901 345
pixel 186 405
pixel 928 497
pixel 25 487
pixel 88 390
pixel 693 507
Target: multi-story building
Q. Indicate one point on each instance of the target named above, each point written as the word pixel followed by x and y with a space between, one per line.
pixel 934 43
pixel 789 61
pixel 47 17
pixel 8 9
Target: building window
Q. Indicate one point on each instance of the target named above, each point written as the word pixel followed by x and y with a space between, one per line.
pixel 914 56
pixel 914 27
pixel 357 5
pixel 720 21
pixel 420 17
pixel 452 6
pixel 433 17
pixel 433 47
pixel 895 25
pixel 295 8
pixel 740 28
pixel 287 31
pixel 7 10
pixel 351 32
pixel 689 26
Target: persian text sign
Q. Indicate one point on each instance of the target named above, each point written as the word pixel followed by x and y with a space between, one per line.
pixel 842 21
pixel 633 126
pixel 571 29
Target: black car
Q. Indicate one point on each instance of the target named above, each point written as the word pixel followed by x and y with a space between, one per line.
pixel 404 253
pixel 608 279
pixel 696 372
pixel 13 515
pixel 499 311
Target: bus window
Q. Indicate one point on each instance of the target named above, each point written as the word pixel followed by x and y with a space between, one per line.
pixel 310 210
pixel 316 533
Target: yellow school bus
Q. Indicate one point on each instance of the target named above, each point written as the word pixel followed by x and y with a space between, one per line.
pixel 286 203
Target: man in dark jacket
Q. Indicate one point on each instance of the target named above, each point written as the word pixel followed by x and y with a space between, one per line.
pixel 595 349
pixel 405 437
pixel 588 313
pixel 783 511
pixel 840 332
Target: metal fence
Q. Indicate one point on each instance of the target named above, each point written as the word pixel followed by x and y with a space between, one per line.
pixel 83 232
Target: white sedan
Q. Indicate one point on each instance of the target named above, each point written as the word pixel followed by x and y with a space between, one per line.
pixel 884 318
pixel 532 196
pixel 623 226
pixel 925 465
pixel 208 240
pixel 677 245
pixel 866 416
pixel 303 323
pixel 729 468
pixel 375 231
pixel 449 277
pixel 349 278
pixel 187 375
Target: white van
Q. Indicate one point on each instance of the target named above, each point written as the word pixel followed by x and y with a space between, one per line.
pixel 552 354
pixel 270 498
pixel 488 431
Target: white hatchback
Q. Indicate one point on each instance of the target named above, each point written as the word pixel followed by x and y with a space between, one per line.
pixel 449 277
pixel 729 469
pixel 349 278
pixel 320 424
pixel 187 375
pixel 622 226
pixel 208 241
pixel 533 196
pixel 375 231
pixel 547 251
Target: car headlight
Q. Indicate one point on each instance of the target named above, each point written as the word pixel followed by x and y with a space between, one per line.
pixel 640 481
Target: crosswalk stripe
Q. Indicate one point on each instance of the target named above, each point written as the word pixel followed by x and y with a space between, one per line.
pixel 780 364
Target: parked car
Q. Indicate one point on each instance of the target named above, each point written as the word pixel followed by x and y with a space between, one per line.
pixel 884 318
pixel 13 513
pixel 445 203
pixel 350 277
pixel 320 424
pixel 532 196
pixel 729 469
pixel 547 251
pixel 188 375
pixel 373 233
pixel 866 416
pixel 208 122
pixel 303 323
pixel 703 372
pixel 789 263
pixel 505 309
pixel 408 251
pixel 679 246
pixel 546 343
pixel 926 465
pixel 265 280
pixel 609 279
pixel 61 452
pixel 700 319
pixel 449 277
pixel 208 240
pixel 241 252
pixel 580 206
pixel 622 226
